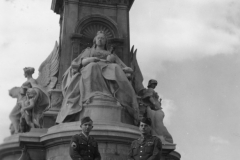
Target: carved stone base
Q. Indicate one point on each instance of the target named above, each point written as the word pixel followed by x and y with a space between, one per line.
pixel 107 113
pixel 53 143
pixel 113 130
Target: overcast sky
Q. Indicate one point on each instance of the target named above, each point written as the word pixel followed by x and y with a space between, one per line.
pixel 192 47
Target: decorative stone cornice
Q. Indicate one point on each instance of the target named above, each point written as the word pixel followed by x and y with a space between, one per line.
pixel 57 4
pixel 112 2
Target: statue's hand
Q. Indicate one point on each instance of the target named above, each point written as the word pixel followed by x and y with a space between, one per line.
pixel 95 59
pixel 88 60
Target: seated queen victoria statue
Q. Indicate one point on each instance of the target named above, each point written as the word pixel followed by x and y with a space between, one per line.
pixel 96 74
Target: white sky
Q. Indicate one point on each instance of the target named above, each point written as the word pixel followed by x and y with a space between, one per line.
pixel 190 46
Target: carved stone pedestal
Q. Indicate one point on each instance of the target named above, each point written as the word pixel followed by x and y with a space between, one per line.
pixel 49 117
pixel 112 129
pixel 114 140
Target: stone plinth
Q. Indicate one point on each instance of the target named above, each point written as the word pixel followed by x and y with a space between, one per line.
pixel 112 129
pixel 114 142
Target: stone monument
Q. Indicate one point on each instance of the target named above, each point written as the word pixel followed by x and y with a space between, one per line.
pixel 81 78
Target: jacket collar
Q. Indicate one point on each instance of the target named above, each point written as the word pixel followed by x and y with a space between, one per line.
pixel 85 138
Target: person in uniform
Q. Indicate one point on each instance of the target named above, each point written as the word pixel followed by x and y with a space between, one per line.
pixel 83 146
pixel 147 147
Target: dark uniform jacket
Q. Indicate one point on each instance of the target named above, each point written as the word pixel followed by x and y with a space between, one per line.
pixel 82 148
pixel 149 148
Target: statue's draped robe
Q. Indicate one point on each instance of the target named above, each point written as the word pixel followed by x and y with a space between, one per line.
pixel 96 79
pixel 15 114
pixel 158 127
pixel 156 114
pixel 150 93
pixel 42 104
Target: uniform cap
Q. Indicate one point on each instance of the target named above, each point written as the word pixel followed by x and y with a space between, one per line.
pixel 85 120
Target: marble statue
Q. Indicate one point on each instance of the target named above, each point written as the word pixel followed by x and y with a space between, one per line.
pixel 150 97
pixel 31 103
pixel 154 111
pixel 32 97
pixel 149 102
pixel 33 107
pixel 100 74
pixel 15 115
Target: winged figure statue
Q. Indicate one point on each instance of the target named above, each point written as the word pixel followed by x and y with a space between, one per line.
pixel 48 69
pixel 149 102
pixel 33 96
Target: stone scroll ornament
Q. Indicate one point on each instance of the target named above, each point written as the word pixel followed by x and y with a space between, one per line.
pixel 149 103
pixel 32 97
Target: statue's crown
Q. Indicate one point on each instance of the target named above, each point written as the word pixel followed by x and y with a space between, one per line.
pixel 100 32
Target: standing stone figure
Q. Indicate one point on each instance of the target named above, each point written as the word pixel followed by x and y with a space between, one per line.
pixel 15 115
pixel 35 104
pixel 25 120
pixel 37 101
pixel 83 146
pixel 102 75
pixel 147 147
pixel 32 97
pixel 28 105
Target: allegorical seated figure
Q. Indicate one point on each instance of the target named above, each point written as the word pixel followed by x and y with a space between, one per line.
pixel 150 96
pixel 32 101
pixel 151 107
pixel 38 92
pixel 33 107
pixel 100 74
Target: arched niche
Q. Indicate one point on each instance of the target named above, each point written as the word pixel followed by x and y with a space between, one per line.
pixel 89 26
pixel 86 30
